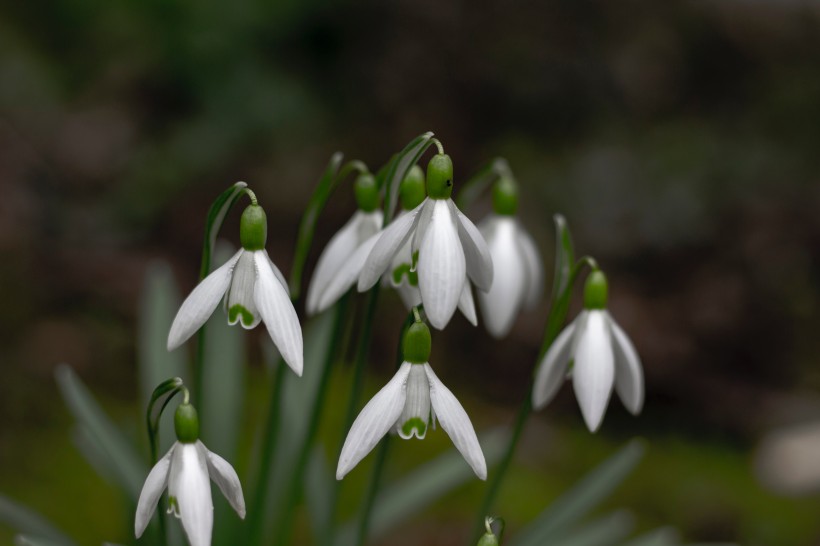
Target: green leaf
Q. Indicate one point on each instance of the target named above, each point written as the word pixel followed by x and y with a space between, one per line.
pixel 216 215
pixel 31 523
pixel 398 168
pixel 317 490
pixel 24 540
pixel 564 256
pixel 665 536
pixel 606 531
pixel 573 505
pixel 128 469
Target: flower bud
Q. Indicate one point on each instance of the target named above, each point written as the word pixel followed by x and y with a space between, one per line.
pixel 596 291
pixel 505 197
pixel 440 177
pixel 367 193
pixel 411 190
pixel 417 343
pixel 253 228
pixel 186 424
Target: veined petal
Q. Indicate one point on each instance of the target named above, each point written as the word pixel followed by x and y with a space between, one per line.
pixel 456 423
pixel 628 370
pixel 534 268
pixel 377 417
pixel 552 369
pixel 239 299
pixel 466 304
pixel 441 266
pixel 155 484
pixel 190 488
pixel 224 476
pixel 594 372
pixel 423 222
pixel 278 313
pixel 415 416
pixel 410 295
pixel 501 303
pixel 391 240
pixel 278 273
pixel 479 260
pixel 201 302
pixel 347 274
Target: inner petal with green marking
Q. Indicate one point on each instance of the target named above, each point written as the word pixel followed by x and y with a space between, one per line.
pixel 416 415
pixel 239 299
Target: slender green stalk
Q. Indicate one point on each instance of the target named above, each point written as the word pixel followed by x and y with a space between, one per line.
pixel 372 491
pixel 284 526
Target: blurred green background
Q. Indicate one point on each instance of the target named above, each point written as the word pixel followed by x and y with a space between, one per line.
pixel 680 140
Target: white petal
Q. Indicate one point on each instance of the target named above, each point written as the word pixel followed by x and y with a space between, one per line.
pixel 552 369
pixel 441 267
pixel 410 295
pixel 501 303
pixel 392 239
pixel 455 422
pixel 377 417
pixel 594 372
pixel 278 273
pixel 628 370
pixel 347 274
pixel 188 483
pixel 200 303
pixel 278 313
pixel 340 246
pixel 466 304
pixel 534 268
pixel 415 417
pixel 224 476
pixel 423 222
pixel 479 260
pixel 155 484
pixel 239 299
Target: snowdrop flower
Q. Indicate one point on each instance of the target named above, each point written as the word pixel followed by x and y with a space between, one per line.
pixel 519 275
pixel 185 470
pixel 341 261
pixel 602 354
pixel 254 290
pixel 408 404
pixel 450 248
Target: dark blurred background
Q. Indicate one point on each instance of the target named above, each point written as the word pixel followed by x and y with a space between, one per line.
pixel 680 140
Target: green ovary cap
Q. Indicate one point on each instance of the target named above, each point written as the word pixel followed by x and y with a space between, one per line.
pixel 367 193
pixel 596 291
pixel 505 197
pixel 253 228
pixel 186 424
pixel 411 190
pixel 440 177
pixel 417 343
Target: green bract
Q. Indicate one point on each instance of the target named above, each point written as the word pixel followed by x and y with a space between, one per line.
pixel 253 228
pixel 596 291
pixel 440 177
pixel 411 191
pixel 367 192
pixel 186 424
pixel 417 343
pixel 505 197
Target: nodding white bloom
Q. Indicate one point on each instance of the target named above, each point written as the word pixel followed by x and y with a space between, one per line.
pixel 254 290
pixel 408 404
pixel 450 248
pixel 341 261
pixel 603 357
pixel 518 274
pixel 186 470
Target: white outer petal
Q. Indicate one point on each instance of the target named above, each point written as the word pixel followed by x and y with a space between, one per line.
pixel 594 372
pixel 374 421
pixel 534 267
pixel 155 484
pixel 423 222
pixel 278 313
pixel 201 302
pixel 479 260
pixel 552 370
pixel 456 424
pixel 629 381
pixel 224 476
pixel 189 484
pixel 441 266
pixel 466 304
pixel 346 275
pixel 391 240
pixel 502 302
pixel 410 295
pixel 278 273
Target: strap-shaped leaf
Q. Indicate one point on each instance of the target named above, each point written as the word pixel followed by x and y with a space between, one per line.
pixel 606 531
pixel 665 536
pixel 564 256
pixel 216 215
pixel 398 168
pixel 26 540
pixel 32 524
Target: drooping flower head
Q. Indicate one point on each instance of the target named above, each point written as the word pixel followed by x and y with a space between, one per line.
pixel 598 355
pixel 450 247
pixel 518 275
pixel 186 471
pixel 254 290
pixel 409 404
